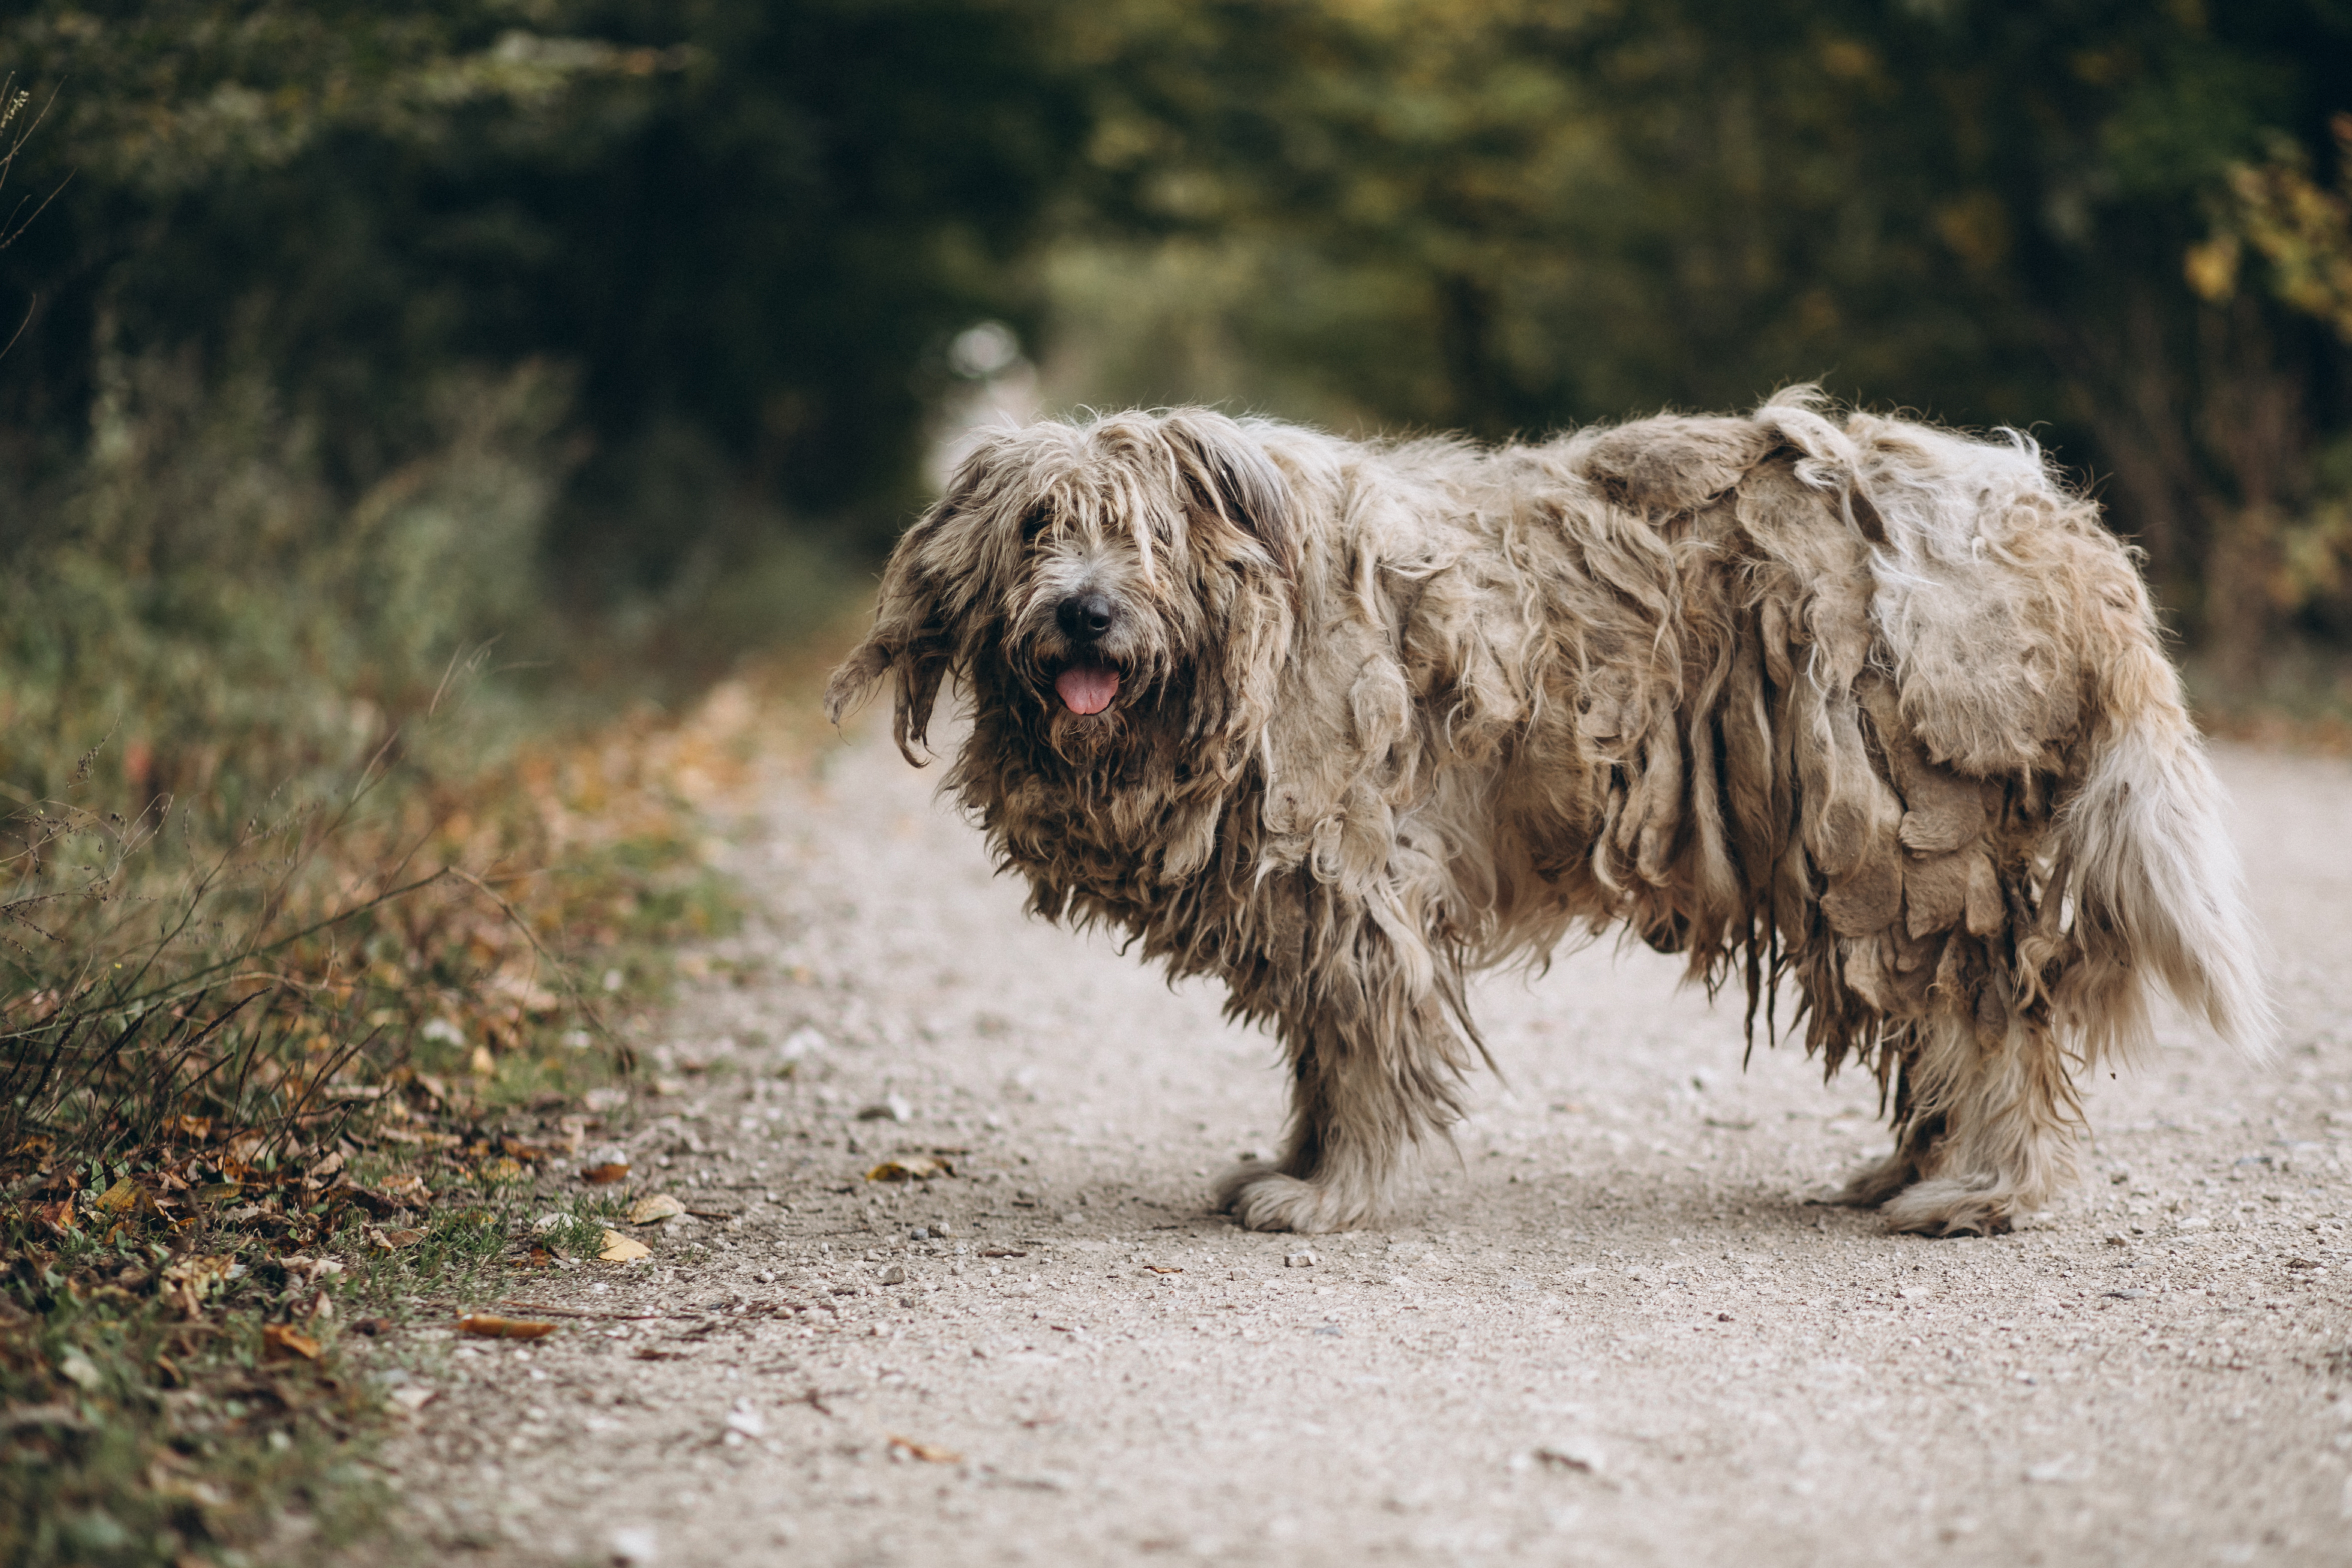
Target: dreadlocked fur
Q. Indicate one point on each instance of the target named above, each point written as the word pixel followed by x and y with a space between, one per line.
pixel 1859 709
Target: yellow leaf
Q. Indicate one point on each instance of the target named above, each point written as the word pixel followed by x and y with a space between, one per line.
pixel 655 1208
pixel 481 1325
pixel 914 1167
pixel 619 1249
pixel 120 1198
pixel 280 1342
pixel 930 1453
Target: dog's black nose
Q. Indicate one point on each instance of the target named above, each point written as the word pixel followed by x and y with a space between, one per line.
pixel 1083 617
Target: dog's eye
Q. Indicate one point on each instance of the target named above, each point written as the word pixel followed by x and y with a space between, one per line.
pixel 1037 522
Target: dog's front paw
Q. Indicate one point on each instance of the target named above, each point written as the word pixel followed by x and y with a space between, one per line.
pixel 1878 1181
pixel 1983 1207
pixel 1262 1199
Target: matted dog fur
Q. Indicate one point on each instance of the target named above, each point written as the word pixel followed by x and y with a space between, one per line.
pixel 1857 708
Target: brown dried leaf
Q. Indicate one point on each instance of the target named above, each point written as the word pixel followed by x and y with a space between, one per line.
pixel 481 1325
pixel 606 1174
pixel 930 1454
pixel 278 1342
pixel 187 1282
pixel 655 1208
pixel 913 1167
pixel 620 1249
pixel 120 1198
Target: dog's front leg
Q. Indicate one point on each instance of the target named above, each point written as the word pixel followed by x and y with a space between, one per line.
pixel 1375 1065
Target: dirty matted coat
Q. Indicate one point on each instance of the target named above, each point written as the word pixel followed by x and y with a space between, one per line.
pixel 1869 717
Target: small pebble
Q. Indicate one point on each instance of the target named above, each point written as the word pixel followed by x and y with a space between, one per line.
pixel 1571 1455
pixel 889 1108
pixel 920 1233
pixel 1299 1260
pixel 896 1274
pixel 632 1547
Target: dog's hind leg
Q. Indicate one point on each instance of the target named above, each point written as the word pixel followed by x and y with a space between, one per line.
pixel 1990 1137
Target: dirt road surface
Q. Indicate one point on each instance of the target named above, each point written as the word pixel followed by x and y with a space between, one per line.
pixel 1607 1328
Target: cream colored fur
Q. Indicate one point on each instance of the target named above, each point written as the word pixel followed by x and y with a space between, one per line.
pixel 1850 707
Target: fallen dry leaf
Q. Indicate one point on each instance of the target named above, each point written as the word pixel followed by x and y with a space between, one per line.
pixel 928 1453
pixel 407 1189
pixel 620 1249
pixel 120 1198
pixel 393 1240
pixel 655 1208
pixel 913 1167
pixel 1164 1269
pixel 187 1282
pixel 481 1325
pixel 606 1174
pixel 279 1341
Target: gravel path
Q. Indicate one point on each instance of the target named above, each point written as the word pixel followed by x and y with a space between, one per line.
pixel 1608 1328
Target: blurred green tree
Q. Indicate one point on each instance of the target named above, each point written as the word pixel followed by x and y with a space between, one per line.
pixel 740 232
pixel 1506 215
pixel 742 224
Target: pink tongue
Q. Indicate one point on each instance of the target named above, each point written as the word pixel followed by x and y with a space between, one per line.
pixel 1088 688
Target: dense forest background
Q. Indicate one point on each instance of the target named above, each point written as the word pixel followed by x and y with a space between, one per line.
pixel 350 337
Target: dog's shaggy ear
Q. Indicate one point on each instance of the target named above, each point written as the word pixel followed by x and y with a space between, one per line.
pixel 1234 485
pixel 916 612
pixel 907 643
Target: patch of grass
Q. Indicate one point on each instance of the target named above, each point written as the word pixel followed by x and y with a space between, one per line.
pixel 251 1100
pixel 136 1433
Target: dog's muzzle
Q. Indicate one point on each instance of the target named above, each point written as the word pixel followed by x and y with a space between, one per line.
pixel 1088 683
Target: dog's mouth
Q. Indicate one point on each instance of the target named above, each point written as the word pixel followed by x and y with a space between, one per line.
pixel 1087 688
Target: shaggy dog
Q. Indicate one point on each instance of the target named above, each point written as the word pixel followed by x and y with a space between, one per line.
pixel 1865 709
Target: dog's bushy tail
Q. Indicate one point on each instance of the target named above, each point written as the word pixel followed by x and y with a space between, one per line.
pixel 2146 872
pixel 2019 625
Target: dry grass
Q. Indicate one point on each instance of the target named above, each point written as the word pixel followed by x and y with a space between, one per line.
pixel 254 1099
